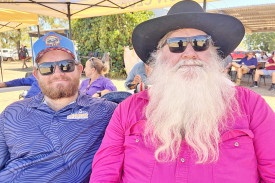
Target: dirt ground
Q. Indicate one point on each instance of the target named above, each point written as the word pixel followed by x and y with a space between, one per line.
pixel 13 70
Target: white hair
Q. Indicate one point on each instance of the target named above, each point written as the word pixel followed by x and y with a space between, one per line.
pixel 188 103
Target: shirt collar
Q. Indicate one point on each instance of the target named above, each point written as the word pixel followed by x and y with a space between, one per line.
pixel 37 101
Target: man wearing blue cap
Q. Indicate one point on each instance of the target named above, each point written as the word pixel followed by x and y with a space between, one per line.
pixel 53 136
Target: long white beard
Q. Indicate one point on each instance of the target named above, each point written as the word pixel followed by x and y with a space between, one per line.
pixel 190 103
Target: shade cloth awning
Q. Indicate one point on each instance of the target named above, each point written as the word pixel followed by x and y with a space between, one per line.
pixel 13 19
pixel 86 8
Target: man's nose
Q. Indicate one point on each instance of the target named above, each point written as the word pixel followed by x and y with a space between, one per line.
pixel 57 70
pixel 189 53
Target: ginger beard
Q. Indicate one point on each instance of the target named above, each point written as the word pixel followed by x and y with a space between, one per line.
pixel 190 103
pixel 59 91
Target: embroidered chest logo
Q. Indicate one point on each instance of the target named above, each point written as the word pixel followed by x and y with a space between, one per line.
pixel 52 40
pixel 79 115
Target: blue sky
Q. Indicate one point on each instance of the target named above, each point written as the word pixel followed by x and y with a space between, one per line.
pixel 236 3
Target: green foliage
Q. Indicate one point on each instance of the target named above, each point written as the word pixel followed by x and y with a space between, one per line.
pixel 261 41
pixel 108 34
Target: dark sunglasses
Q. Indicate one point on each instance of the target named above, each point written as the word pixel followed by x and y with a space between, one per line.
pixel 179 44
pixel 48 68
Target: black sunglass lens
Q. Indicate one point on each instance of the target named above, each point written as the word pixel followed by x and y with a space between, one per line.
pixel 66 66
pixel 177 45
pixel 200 43
pixel 46 68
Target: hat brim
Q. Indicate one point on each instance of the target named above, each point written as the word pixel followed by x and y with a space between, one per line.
pixel 226 31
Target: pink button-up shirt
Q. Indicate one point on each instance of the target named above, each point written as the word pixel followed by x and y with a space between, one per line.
pixel 247 151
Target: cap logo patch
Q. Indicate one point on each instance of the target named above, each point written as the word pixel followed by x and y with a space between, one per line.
pixel 52 40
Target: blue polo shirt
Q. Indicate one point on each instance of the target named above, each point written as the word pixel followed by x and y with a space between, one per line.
pixel 252 61
pixel 38 144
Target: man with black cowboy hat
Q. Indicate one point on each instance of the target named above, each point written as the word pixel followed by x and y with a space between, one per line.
pixel 53 136
pixel 193 125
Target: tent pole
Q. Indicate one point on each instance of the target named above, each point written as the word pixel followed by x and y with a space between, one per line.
pixel 204 5
pixel 38 31
pixel 69 18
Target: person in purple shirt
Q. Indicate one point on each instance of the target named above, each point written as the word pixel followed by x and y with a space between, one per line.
pixel 245 66
pixel 192 125
pixel 97 85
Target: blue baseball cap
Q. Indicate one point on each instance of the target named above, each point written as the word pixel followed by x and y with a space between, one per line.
pixel 53 41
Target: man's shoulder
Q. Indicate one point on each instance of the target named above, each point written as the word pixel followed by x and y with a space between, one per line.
pixel 139 65
pixel 245 94
pixel 18 107
pixel 136 99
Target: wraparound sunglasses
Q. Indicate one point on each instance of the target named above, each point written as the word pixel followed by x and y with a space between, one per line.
pixel 179 44
pixel 48 68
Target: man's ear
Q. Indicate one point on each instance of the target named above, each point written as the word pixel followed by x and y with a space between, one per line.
pixel 80 68
pixel 34 72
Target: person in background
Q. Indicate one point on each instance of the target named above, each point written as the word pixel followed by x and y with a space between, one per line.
pixel 268 71
pixel 138 74
pixel 23 55
pixel 97 85
pixel 53 136
pixel 246 65
pixel 263 58
pixel 28 81
pixel 227 64
pixel 191 125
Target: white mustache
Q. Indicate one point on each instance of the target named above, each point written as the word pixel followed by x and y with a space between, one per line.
pixel 188 63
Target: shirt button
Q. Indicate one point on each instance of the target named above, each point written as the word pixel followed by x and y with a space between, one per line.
pixel 137 140
pixel 236 144
pixel 182 160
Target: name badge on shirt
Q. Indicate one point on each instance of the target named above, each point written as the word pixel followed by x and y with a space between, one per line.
pixel 78 115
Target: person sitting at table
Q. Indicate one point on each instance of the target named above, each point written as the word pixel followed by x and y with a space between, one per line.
pixel 247 64
pixel 269 70
pixel 138 74
pixel 96 85
pixel 263 58
pixel 28 81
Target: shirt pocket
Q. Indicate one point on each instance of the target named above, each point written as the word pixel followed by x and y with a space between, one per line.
pixel 237 160
pixel 138 155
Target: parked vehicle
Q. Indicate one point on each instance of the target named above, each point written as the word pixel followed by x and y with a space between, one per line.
pixel 15 55
pixel 237 55
pixel 7 54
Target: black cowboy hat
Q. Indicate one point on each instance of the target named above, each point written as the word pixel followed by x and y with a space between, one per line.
pixel 226 31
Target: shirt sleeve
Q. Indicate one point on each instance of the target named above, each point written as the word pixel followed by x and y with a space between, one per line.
pixel 21 82
pixel 109 85
pixel 131 76
pixel 4 153
pixel 108 161
pixel 262 124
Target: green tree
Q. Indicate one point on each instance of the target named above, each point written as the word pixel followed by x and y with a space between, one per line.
pixel 108 34
pixel 261 41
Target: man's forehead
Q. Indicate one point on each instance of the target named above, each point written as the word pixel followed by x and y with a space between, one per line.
pixel 186 32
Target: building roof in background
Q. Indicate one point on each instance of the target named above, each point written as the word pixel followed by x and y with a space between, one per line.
pixel 256 15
